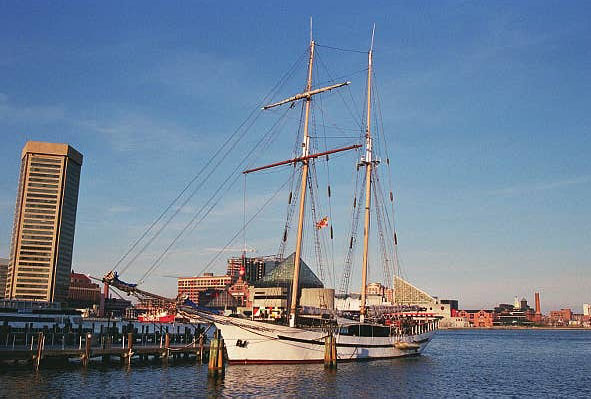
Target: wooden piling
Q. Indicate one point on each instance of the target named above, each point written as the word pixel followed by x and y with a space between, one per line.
pixel 86 355
pixel 216 356
pixel 166 352
pixel 201 348
pixel 129 347
pixel 330 352
pixel 40 342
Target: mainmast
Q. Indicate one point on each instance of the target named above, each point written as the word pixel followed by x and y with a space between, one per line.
pixel 367 161
pixel 305 160
pixel 304 183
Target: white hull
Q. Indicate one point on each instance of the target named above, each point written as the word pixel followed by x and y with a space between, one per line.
pixel 256 342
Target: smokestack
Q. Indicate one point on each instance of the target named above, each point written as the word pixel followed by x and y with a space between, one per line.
pixel 538 308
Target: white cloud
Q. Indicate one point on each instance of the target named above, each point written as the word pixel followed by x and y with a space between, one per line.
pixel 540 186
pixel 30 113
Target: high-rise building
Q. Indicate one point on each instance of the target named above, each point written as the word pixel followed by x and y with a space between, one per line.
pixel 254 268
pixel 44 221
pixel 193 286
pixel 3 272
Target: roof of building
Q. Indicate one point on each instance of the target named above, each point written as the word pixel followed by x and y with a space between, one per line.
pixel 39 147
pixel 282 275
pixel 407 294
pixel 217 299
pixel 476 311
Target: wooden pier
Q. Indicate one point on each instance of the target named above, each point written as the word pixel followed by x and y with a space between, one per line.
pixel 38 353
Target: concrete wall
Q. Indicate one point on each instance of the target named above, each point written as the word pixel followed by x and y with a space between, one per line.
pixel 317 297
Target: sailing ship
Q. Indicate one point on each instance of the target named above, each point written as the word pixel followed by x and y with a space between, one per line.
pixel 299 337
pixel 252 341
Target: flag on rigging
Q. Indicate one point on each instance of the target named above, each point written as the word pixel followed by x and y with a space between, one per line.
pixel 322 223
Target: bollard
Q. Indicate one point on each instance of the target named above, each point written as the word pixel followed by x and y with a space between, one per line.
pixel 330 352
pixel 216 356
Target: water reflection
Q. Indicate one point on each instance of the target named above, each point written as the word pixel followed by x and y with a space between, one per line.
pixel 465 363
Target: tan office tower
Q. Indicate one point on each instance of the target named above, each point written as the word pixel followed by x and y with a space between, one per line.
pixel 44 221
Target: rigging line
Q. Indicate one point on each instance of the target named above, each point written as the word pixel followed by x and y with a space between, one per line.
pixel 342 49
pixel 391 244
pixel 390 185
pixel 338 78
pixel 187 199
pixel 229 139
pixel 335 137
pixel 333 274
pixel 246 225
pixel 381 238
pixel 210 201
pixel 333 126
pixel 351 243
pixel 244 218
pixel 204 211
pixel 353 115
pixel 293 189
pixel 315 205
pixel 314 216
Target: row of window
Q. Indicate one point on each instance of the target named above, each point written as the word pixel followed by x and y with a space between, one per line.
pixel 40 180
pixel 44 176
pixel 48 212
pixel 38 227
pixel 43 270
pixel 33 264
pixel 37 158
pixel 32 198
pixel 42 185
pixel 39 193
pixel 28 205
pixel 39 220
pixel 40 283
pixel 47 241
pixel 39 217
pixel 38 252
pixel 43 190
pixel 52 167
pixel 34 258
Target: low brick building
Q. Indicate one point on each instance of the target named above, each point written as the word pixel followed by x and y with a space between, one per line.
pixel 478 318
pixel 560 317
pixel 83 293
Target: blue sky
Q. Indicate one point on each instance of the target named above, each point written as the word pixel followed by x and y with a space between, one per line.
pixel 485 105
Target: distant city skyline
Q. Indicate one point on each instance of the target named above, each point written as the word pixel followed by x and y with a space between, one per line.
pixel 485 108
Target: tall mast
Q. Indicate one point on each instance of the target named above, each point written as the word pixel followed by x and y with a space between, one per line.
pixel 368 166
pixel 304 159
pixel 303 185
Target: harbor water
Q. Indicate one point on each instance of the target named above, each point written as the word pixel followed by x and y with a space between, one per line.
pixel 461 363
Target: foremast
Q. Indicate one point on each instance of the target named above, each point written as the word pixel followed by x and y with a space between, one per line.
pixel 368 162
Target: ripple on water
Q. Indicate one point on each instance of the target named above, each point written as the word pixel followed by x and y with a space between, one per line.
pixel 465 363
